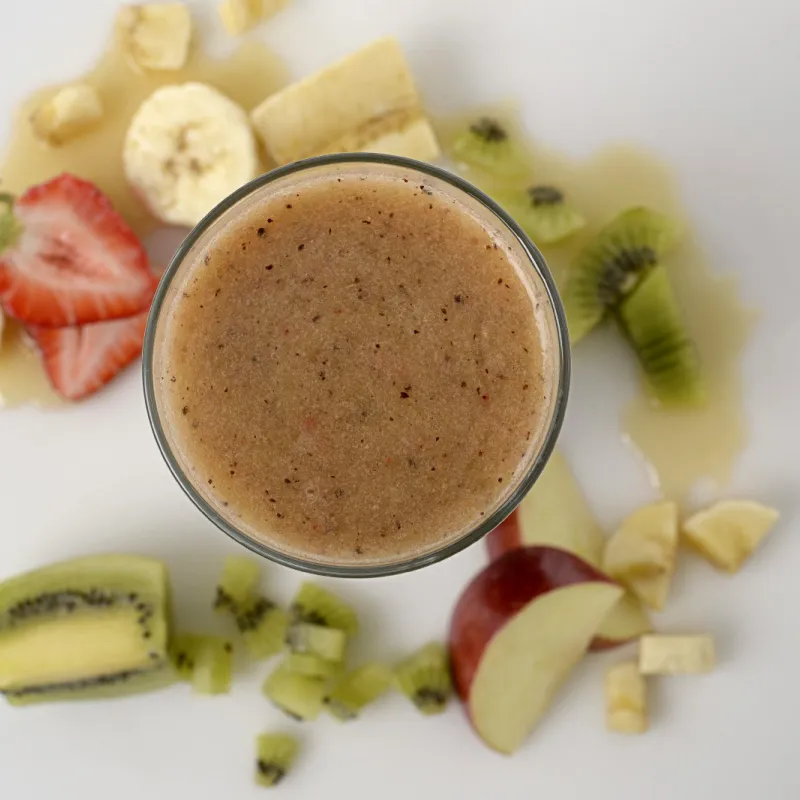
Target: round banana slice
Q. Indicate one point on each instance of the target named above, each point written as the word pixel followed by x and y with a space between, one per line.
pixel 188 146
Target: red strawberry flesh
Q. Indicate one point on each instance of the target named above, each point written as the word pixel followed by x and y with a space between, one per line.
pixel 73 259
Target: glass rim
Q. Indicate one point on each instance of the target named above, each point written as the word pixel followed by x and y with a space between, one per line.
pixel 488 523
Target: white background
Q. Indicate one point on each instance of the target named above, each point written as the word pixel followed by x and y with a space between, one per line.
pixel 713 86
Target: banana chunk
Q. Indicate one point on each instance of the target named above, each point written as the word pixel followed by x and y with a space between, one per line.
pixel 367 101
pixel 676 655
pixel 156 37
pixel 187 148
pixel 642 553
pixel 240 16
pixel 728 532
pixel 70 112
pixel 626 699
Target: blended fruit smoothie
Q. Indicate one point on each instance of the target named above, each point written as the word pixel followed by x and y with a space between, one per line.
pixel 355 370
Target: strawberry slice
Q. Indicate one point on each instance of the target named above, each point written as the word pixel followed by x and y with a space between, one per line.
pixel 68 258
pixel 80 359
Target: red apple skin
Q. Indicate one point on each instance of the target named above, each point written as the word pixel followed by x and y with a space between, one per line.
pixel 506 536
pixel 499 592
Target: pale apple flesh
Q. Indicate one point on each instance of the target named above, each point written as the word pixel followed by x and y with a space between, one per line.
pixel 516 633
pixel 627 620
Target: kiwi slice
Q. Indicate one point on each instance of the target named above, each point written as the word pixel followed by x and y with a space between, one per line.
pixel 318 606
pixel 651 321
pixel 92 627
pixel 542 212
pixel 312 665
pixel 299 696
pixel 263 626
pixel 612 264
pixel 424 678
pixel 237 583
pixel 358 689
pixel 205 661
pixel 327 643
pixel 487 144
pixel 275 754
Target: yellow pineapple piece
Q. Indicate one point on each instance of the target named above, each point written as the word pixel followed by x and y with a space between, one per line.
pixel 676 655
pixel 70 112
pixel 626 699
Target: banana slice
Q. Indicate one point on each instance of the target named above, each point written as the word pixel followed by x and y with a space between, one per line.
pixel 240 16
pixel 156 36
pixel 367 101
pixel 71 111
pixel 188 147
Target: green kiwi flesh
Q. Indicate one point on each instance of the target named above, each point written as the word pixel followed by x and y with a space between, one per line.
pixel 92 627
pixel 299 696
pixel 651 322
pixel 318 606
pixel 263 627
pixel 275 755
pixel 205 661
pixel 424 678
pixel 488 145
pixel 312 665
pixel 542 212
pixel 357 689
pixel 238 582
pixel 611 265
pixel 327 643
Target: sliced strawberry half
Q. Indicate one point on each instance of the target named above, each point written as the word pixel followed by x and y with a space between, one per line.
pixel 81 359
pixel 69 258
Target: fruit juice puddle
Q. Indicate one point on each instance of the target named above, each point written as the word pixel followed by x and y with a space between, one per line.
pixel 247 76
pixel 678 447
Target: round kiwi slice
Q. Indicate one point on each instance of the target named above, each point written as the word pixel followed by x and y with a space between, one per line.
pixel 424 678
pixel 651 321
pixel 612 264
pixel 488 145
pixel 275 755
pixel 543 213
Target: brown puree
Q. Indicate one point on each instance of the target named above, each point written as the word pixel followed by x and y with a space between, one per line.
pixel 354 371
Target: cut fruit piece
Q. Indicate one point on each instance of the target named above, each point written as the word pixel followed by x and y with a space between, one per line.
pixel 653 325
pixel 542 212
pixel 626 621
pixel 204 661
pixel 676 655
pixel 327 643
pixel 70 112
pixel 237 583
pixel 488 145
pixel 82 359
pixel 516 633
pixel 188 147
pixel 357 101
pixel 645 543
pixel 612 265
pixel 652 590
pixel 358 689
pixel 554 513
pixel 240 16
pixel 313 666
pixel 93 627
pixel 299 696
pixel 263 626
pixel 318 606
pixel 626 699
pixel 68 258
pixel 414 140
pixel 275 754
pixel 728 532
pixel 155 36
pixel 424 678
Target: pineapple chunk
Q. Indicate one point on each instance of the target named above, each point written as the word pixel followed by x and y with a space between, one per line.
pixel 240 16
pixel 728 532
pixel 626 699
pixel 641 554
pixel 72 111
pixel 156 37
pixel 676 655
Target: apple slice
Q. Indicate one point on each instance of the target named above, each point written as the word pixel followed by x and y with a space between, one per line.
pixel 627 620
pixel 554 513
pixel 517 631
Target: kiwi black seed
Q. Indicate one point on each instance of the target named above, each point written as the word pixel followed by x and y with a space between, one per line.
pixel 542 211
pixel 358 689
pixel 317 606
pixel 275 755
pixel 97 597
pixel 612 264
pixel 424 678
pixel 488 146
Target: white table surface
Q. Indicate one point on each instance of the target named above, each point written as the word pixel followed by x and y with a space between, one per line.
pixel 713 86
